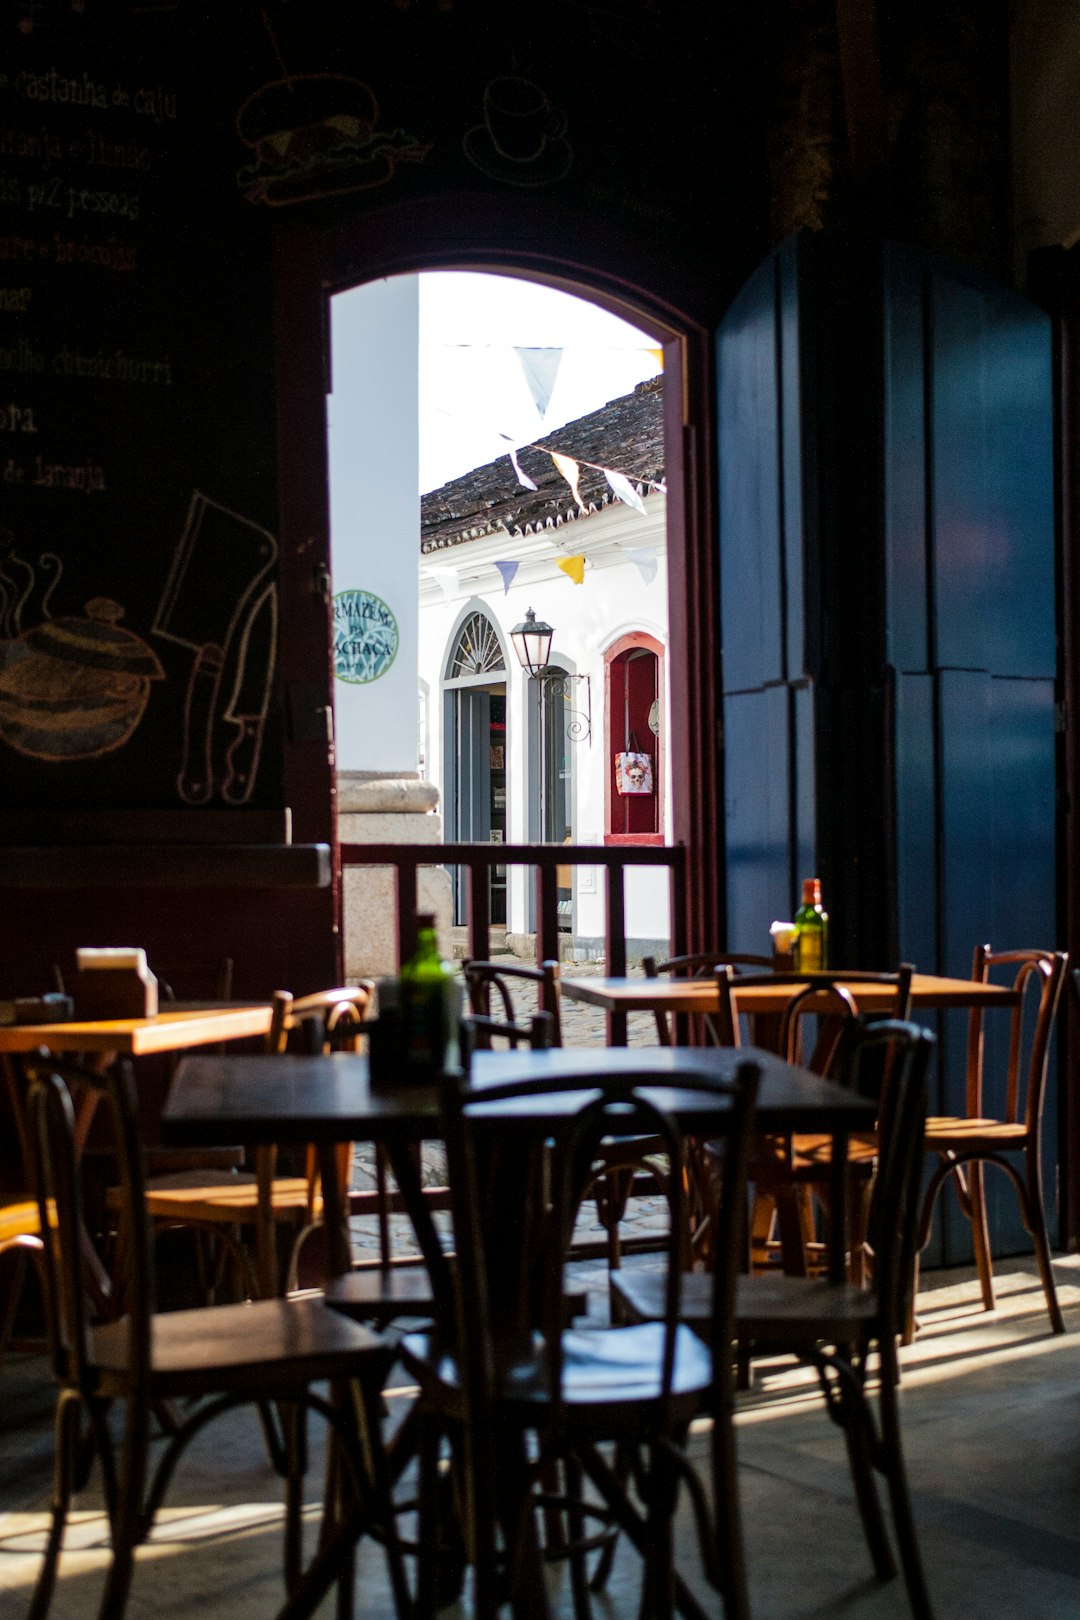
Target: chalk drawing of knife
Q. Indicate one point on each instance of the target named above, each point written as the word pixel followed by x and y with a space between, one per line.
pixel 217 570
pixel 251 697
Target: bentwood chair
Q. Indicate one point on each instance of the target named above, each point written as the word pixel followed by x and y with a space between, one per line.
pixel 836 1327
pixel 214 1358
pixel 788 1171
pixel 700 965
pixel 1004 1130
pixel 623 1161
pixel 227 1204
pixel 505 1374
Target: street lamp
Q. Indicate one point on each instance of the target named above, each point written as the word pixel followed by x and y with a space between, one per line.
pixel 532 643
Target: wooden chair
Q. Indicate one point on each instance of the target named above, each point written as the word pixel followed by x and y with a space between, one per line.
pixel 788 1170
pixel 227 1203
pixel 837 1327
pixel 1009 1135
pixel 622 1163
pixel 701 965
pixel 510 1369
pixel 216 1358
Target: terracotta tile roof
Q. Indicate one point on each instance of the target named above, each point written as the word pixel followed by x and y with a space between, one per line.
pixel 625 435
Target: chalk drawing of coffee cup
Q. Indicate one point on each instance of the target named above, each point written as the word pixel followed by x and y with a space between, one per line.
pixel 521 140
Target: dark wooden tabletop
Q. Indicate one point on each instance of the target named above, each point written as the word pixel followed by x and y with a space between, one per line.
pixel 292 1097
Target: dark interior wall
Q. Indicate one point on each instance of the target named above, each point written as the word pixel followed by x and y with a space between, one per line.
pixel 148 152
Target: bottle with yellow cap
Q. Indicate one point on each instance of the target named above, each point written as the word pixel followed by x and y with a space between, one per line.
pixel 811 930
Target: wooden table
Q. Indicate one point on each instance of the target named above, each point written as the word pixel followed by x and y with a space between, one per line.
pixel 291 1097
pixel 178 1028
pixel 325 1099
pixel 668 994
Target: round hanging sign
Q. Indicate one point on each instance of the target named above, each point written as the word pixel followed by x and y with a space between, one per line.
pixel 365 637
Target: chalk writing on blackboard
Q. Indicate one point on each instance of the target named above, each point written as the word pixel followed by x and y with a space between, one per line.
pixel 365 637
pixel 315 135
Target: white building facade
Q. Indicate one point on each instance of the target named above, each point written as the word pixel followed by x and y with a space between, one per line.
pixel 521 759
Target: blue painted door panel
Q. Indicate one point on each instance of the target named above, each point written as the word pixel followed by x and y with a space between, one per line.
pixel 916 827
pixel 907 626
pixel 757 816
pixel 992 448
pixel 749 479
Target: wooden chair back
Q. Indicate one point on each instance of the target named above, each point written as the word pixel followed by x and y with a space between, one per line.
pixel 899 1052
pixel 323 1021
pixel 831 998
pixel 489 1326
pixel 68 1285
pixel 480 1033
pixel 1037 978
pixel 491 985
pixel 698 965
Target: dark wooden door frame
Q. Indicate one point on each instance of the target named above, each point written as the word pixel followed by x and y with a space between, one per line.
pixel 564 250
pixel 1055 284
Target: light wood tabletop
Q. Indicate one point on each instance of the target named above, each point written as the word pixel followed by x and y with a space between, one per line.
pixel 667 994
pixel 175 1029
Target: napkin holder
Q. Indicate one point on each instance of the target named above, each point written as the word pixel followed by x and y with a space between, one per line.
pixel 52 1008
pixel 114 983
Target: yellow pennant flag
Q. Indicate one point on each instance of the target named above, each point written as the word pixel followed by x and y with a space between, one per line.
pixel 572 567
pixel 570 471
pixel 658 356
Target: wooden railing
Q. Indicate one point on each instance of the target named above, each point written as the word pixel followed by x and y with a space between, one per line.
pixel 478 859
pixel 407 859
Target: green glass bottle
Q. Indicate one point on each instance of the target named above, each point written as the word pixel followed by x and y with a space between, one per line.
pixel 429 1003
pixel 811 930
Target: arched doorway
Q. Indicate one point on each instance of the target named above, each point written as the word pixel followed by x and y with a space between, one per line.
pixel 512 237
pixel 474 753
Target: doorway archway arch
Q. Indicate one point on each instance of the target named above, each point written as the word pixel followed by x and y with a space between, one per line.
pixel 504 235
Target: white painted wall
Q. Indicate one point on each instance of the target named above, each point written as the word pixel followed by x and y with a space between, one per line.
pixel 375 507
pixel 613 600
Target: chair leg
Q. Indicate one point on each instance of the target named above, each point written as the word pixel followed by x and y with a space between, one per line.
pixel 892 1459
pixel 67 1428
pixel 731 1556
pixel 857 1424
pixel 980 1233
pixel 1035 1221
pixel 658 1586
pixel 128 1528
pixel 294 1426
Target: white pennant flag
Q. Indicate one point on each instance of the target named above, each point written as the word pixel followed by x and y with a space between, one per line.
pixel 644 560
pixel 540 368
pixel 624 489
pixel 523 478
pixel 446 579
pixel 570 471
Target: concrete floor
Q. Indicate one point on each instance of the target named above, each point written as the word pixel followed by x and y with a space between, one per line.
pixel 992 1420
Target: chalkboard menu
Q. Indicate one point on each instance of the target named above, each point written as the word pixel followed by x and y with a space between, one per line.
pixel 138 605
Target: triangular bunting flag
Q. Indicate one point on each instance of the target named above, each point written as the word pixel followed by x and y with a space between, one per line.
pixel 644 560
pixel 523 478
pixel 658 356
pixel 540 367
pixel 570 471
pixel 446 579
pixel 507 570
pixel 572 567
pixel 625 490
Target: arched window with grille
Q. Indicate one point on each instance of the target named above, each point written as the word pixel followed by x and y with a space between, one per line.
pixel 474 753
